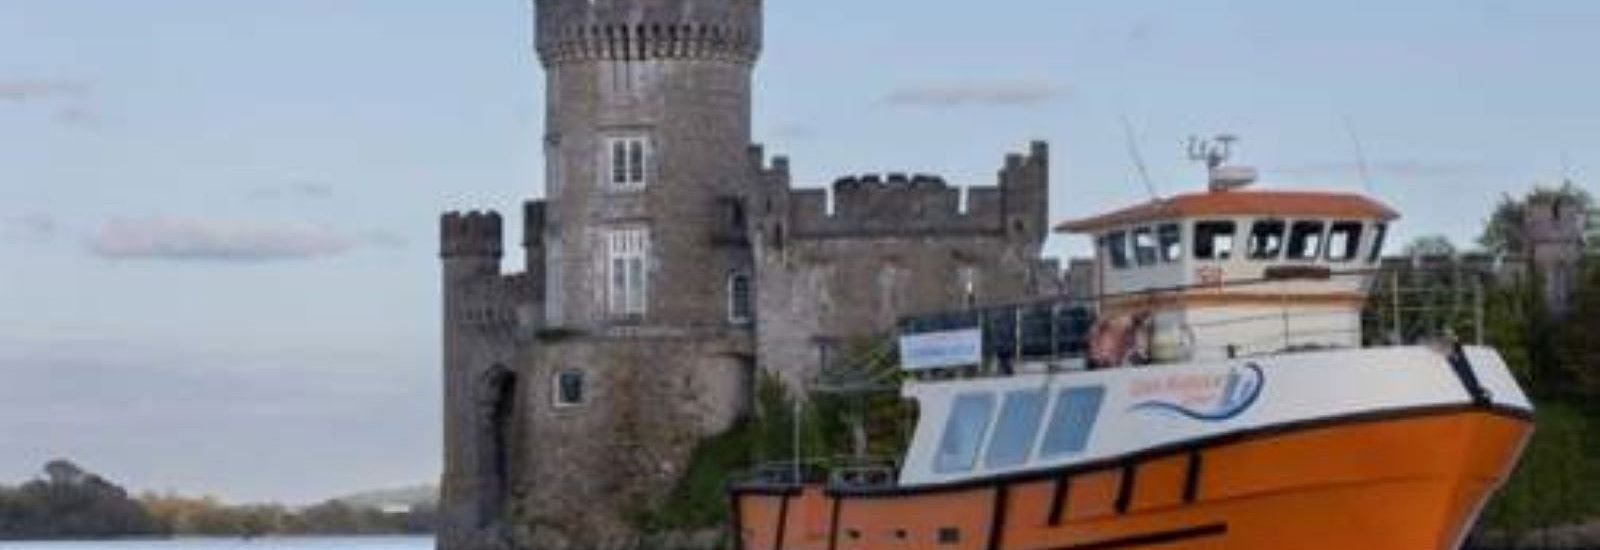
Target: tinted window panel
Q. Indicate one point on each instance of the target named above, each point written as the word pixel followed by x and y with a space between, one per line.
pixel 1213 240
pixel 1266 239
pixel 1117 248
pixel 1014 431
pixel 1305 240
pixel 1379 232
pixel 1344 241
pixel 963 433
pixel 1170 237
pixel 1072 420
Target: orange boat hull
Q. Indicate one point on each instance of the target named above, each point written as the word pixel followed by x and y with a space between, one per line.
pixel 1399 481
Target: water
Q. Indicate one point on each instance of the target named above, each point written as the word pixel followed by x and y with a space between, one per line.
pixel 298 543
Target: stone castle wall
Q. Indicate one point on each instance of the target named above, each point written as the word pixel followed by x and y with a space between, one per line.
pixel 524 471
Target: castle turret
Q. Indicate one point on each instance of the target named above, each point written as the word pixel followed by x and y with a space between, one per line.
pixel 648 124
pixel 1553 230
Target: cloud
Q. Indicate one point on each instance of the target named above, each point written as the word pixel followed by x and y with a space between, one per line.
pixel 35 227
pixel 1404 169
pixel 165 238
pixel 297 190
pixel 79 115
pixel 25 90
pixel 1020 93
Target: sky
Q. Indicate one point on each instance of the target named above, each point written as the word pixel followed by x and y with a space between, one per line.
pixel 218 218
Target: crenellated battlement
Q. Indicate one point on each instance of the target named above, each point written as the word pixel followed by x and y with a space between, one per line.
pixel 1554 221
pixel 635 30
pixel 901 203
pixel 474 234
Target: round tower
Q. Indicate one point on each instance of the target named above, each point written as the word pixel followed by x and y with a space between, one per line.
pixel 647 127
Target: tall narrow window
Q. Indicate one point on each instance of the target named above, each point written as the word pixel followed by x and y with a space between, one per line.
pixel 627 250
pixel 1379 231
pixel 1117 248
pixel 1170 236
pixel 739 299
pixel 628 161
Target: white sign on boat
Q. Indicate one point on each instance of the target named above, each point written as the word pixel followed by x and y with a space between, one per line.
pixel 950 348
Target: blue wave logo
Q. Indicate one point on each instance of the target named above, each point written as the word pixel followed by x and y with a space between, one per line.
pixel 1239 393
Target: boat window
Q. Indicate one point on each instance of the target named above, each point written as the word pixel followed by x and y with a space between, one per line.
pixel 963 433
pixel 1213 240
pixel 1378 233
pixel 1170 236
pixel 1344 241
pixel 1014 430
pixel 1144 246
pixel 1305 240
pixel 1117 249
pixel 1072 420
pixel 1266 239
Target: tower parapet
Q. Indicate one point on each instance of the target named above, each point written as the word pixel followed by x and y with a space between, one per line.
pixel 636 30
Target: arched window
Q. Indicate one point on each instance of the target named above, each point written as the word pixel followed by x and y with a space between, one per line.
pixel 740 308
pixel 568 388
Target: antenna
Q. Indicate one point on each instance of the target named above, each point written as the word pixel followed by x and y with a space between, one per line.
pixel 1361 155
pixel 1138 158
pixel 1215 152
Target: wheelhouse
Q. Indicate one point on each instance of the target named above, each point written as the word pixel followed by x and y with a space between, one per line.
pixel 1235 272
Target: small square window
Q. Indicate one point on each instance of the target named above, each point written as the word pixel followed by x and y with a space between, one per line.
pixel 1213 240
pixel 1266 239
pixel 949 535
pixel 569 388
pixel 1305 240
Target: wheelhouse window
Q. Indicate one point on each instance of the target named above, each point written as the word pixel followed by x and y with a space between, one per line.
pixel 963 433
pixel 1305 239
pixel 1213 240
pixel 739 299
pixel 1379 231
pixel 627 250
pixel 626 161
pixel 1266 239
pixel 1015 429
pixel 1117 249
pixel 1170 239
pixel 1344 241
pixel 569 388
pixel 1144 246
pixel 1072 420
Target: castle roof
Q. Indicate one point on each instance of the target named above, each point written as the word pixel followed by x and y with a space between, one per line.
pixel 1235 203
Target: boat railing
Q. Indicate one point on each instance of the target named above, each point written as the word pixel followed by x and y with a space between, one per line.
pixel 1056 330
pixel 838 472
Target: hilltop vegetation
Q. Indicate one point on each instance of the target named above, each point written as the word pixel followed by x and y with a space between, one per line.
pixel 68 502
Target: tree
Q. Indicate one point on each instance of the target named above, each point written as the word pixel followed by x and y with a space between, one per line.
pixel 1502 232
pixel 1431 245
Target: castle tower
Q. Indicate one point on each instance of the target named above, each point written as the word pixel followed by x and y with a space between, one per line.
pixel 647 127
pixel 1554 233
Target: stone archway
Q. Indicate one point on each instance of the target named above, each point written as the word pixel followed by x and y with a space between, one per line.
pixel 498 406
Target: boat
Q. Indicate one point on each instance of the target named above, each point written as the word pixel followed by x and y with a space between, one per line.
pixel 1215 391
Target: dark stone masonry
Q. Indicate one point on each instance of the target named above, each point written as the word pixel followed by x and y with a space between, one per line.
pixel 671 261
